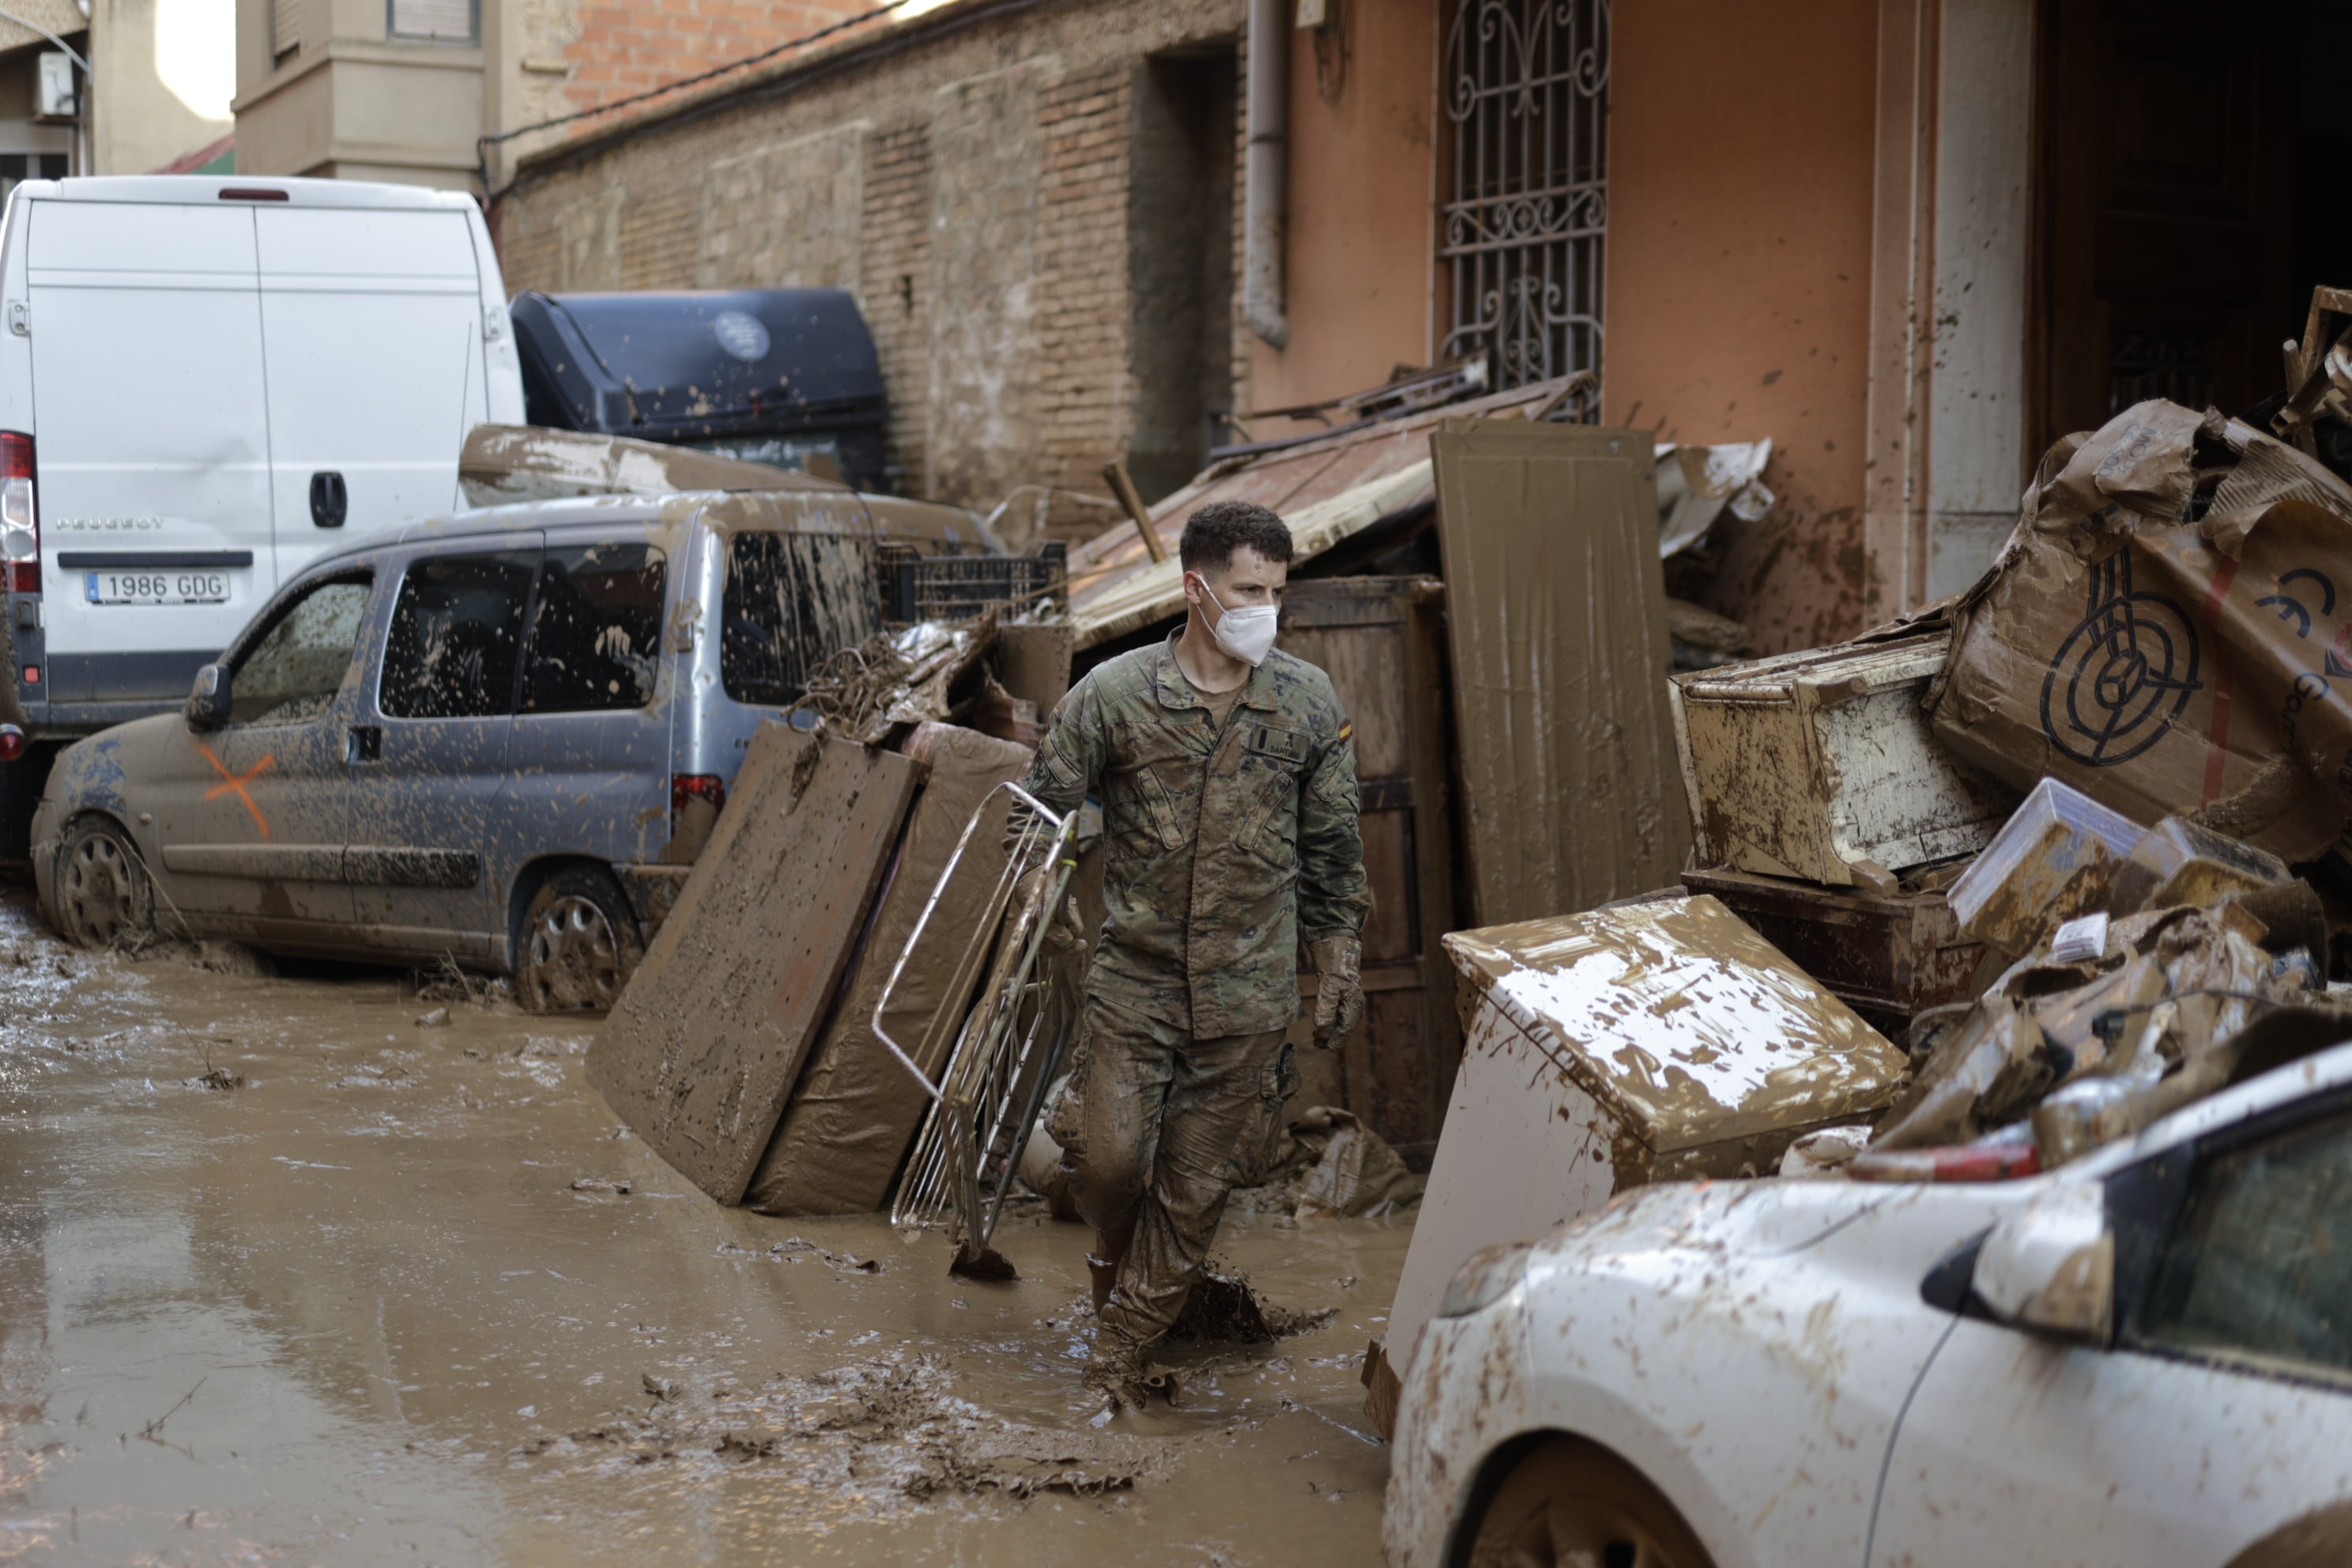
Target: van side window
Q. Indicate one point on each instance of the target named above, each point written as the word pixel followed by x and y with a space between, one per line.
pixel 793 600
pixel 457 632
pixel 295 670
pixel 596 635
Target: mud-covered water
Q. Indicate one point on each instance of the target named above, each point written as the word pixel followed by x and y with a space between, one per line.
pixel 382 1302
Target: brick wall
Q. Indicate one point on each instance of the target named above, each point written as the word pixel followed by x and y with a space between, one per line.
pixel 971 188
pixel 624 47
pixel 1083 394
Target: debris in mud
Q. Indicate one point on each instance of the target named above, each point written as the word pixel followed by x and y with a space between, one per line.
pixel 212 957
pixel 449 984
pixel 988 1266
pixel 437 1019
pixel 897 678
pixel 1328 1164
pixel 619 1186
pixel 792 1248
pixel 892 1426
pixel 217 1079
pixel 231 958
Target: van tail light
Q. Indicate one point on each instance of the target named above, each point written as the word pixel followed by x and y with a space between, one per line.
pixel 686 788
pixel 12 743
pixel 20 513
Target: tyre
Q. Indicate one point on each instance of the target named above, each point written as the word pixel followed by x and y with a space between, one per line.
pixel 1568 1503
pixel 104 895
pixel 580 944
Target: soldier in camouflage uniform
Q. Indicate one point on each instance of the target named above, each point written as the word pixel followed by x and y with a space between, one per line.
pixel 1227 778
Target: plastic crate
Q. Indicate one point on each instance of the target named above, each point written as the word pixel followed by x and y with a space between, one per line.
pixel 959 587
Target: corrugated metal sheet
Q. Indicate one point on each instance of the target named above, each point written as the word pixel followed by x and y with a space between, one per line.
pixel 1556 606
pixel 1291 482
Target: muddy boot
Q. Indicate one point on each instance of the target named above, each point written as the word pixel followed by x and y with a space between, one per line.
pixel 1222 1309
pixel 1103 1276
pixel 1115 1371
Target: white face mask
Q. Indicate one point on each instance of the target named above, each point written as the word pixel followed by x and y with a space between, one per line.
pixel 1246 633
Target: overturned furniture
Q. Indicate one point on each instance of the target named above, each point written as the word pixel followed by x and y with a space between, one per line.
pixel 845 1133
pixel 1655 1041
pixel 1825 813
pixel 1821 766
pixel 704 1048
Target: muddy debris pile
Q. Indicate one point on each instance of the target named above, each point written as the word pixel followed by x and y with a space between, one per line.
pixel 1993 885
pixel 893 1427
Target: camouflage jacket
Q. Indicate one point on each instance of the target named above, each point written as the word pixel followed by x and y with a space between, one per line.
pixel 1220 847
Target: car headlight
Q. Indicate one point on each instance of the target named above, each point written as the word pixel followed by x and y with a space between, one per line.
pixel 1486 1278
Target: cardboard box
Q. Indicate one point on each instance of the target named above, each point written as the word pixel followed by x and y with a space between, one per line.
pixel 2169 631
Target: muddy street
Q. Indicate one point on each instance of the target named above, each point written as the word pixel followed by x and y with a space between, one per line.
pixel 292 1271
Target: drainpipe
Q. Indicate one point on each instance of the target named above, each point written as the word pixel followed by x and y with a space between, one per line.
pixel 1264 172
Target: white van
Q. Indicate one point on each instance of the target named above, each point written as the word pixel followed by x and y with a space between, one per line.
pixel 204 383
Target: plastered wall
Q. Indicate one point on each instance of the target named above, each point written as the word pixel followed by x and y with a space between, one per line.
pixel 1358 261
pixel 1739 275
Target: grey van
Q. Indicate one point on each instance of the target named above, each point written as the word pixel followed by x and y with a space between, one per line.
pixel 497 739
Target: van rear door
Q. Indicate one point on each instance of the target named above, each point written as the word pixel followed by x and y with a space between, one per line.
pixel 371 327
pixel 151 445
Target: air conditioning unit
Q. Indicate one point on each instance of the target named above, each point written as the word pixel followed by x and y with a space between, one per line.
pixel 57 95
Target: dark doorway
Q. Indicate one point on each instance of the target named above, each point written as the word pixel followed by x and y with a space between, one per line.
pixel 1181 261
pixel 2190 154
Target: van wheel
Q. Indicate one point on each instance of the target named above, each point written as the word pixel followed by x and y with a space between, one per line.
pixel 579 944
pixel 1570 1502
pixel 104 894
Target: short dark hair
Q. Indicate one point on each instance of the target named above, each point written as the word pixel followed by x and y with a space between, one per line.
pixel 1213 533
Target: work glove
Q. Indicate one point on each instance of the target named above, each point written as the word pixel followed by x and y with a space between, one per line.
pixel 1340 998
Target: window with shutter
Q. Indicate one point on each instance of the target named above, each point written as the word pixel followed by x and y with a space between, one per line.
pixel 285 28
pixel 440 21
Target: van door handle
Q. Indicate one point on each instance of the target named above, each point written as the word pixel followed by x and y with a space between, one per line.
pixel 364 744
pixel 330 500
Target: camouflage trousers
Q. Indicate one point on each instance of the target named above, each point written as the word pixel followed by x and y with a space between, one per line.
pixel 1163 1117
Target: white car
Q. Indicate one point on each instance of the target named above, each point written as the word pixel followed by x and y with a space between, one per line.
pixel 2142 1359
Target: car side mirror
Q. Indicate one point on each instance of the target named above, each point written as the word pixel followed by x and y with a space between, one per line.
pixel 208 701
pixel 2051 1268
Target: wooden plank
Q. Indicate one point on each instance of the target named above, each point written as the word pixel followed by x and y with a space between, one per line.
pixel 1377 638
pixel 708 1038
pixel 1556 613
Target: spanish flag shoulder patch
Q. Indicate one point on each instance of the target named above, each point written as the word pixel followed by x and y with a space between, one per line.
pixel 1348 730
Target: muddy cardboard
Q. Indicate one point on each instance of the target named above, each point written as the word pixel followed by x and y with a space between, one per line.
pixel 2169 631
